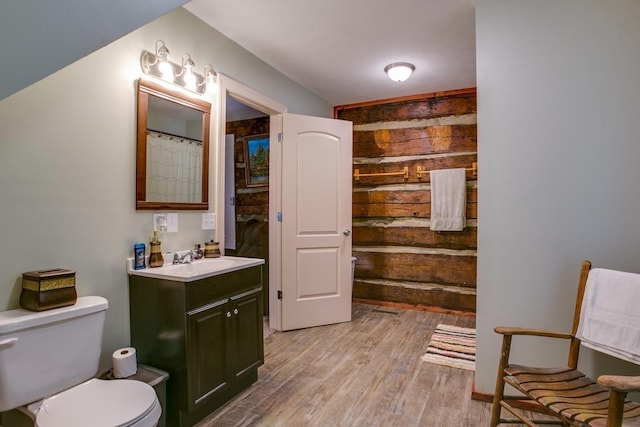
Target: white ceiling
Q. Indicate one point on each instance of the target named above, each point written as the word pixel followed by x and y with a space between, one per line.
pixel 338 48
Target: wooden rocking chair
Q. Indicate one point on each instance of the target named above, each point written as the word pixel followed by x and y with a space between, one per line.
pixel 566 393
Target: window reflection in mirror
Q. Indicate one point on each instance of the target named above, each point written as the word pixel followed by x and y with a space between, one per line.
pixel 172 149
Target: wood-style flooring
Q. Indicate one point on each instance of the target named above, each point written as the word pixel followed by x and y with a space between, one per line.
pixel 366 372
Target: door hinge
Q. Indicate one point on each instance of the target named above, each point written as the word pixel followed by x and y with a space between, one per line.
pixel 279 216
pixel 279 294
pixel 279 136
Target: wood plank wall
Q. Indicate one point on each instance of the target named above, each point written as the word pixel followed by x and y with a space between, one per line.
pixel 399 258
pixel 251 202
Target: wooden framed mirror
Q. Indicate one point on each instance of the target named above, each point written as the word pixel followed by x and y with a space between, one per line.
pixel 172 149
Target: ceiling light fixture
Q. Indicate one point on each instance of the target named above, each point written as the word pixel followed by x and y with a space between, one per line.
pixel 399 71
pixel 158 65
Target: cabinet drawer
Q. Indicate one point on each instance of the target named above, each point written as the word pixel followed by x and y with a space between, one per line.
pixel 213 288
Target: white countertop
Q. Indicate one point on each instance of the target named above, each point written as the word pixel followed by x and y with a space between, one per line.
pixel 196 270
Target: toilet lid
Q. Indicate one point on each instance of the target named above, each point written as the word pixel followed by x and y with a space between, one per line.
pixel 98 403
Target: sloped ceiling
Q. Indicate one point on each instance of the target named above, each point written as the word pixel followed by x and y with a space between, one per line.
pixel 40 37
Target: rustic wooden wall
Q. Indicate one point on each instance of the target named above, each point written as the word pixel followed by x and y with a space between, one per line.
pixel 399 258
pixel 252 203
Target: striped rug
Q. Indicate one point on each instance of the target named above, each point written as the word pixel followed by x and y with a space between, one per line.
pixel 452 346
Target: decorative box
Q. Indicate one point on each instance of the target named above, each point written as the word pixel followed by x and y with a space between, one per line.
pixel 211 249
pixel 47 289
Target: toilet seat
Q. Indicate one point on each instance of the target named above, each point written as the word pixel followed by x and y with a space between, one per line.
pixel 101 403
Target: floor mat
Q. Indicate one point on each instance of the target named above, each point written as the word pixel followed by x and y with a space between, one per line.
pixel 452 346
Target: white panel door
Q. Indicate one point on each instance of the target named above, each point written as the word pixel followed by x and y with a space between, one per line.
pixel 316 221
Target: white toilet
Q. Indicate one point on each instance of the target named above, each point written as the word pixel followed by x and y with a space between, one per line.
pixel 47 363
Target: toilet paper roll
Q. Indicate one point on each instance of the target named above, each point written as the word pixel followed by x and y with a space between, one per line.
pixel 124 362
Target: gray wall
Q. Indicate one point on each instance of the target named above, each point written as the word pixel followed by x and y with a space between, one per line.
pixel 67 163
pixel 558 146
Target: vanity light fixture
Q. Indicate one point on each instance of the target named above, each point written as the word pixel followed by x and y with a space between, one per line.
pixel 399 71
pixel 158 65
pixel 165 67
pixel 187 69
pixel 187 77
pixel 210 78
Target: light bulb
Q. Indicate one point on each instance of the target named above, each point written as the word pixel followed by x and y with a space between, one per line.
pixel 166 70
pixel 190 80
pixel 210 80
pixel 162 54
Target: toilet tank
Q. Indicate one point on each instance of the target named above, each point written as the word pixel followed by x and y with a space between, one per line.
pixel 43 353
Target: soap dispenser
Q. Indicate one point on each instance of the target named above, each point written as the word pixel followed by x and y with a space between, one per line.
pixel 155 258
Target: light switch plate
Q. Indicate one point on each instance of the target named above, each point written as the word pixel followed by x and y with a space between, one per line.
pixel 172 222
pixel 208 221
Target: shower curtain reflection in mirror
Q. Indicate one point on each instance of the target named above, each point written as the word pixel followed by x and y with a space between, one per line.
pixel 174 168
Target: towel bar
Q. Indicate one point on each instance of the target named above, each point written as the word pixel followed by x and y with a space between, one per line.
pixel 473 169
pixel 404 173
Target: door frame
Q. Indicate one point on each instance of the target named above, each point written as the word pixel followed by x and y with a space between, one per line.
pixel 227 86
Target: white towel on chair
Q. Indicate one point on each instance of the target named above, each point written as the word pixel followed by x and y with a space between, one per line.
pixel 448 199
pixel 610 316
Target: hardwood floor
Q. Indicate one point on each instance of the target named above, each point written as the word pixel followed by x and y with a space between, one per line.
pixel 367 372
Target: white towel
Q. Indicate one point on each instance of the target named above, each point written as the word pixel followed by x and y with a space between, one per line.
pixel 610 318
pixel 448 199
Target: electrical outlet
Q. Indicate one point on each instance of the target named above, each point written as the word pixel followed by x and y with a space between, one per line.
pixel 159 222
pixel 208 221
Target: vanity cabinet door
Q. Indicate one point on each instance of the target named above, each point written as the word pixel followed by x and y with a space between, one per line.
pixel 246 328
pixel 208 364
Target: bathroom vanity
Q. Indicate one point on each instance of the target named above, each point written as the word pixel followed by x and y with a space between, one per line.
pixel 202 323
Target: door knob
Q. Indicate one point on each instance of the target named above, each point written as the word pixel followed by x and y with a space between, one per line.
pixel 235 311
pixel 346 231
pixel 228 314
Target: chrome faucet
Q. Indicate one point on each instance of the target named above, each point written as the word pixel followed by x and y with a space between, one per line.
pixel 184 259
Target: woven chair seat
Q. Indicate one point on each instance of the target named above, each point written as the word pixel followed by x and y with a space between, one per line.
pixel 577 398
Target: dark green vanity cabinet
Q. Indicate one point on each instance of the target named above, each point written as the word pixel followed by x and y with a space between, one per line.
pixel 222 345
pixel 207 334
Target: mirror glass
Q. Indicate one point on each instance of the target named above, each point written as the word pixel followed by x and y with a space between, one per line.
pixel 172 154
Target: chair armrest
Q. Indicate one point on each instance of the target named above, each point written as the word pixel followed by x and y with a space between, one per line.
pixel 620 382
pixel 506 330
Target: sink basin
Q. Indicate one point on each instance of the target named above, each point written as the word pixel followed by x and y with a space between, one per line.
pixel 198 269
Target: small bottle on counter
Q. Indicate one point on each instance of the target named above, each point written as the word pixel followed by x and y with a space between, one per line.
pixel 139 261
pixel 155 257
pixel 197 252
